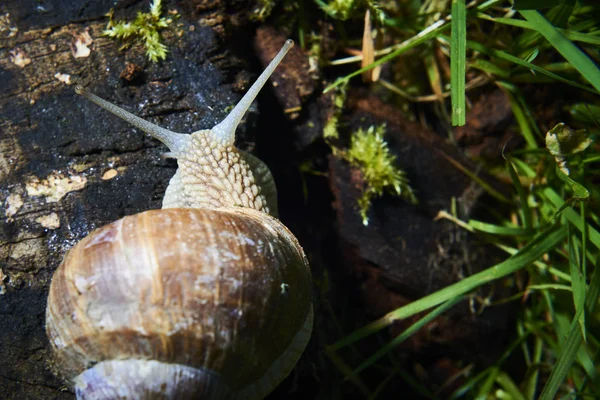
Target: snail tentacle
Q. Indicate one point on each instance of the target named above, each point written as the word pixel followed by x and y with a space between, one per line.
pixel 224 132
pixel 176 142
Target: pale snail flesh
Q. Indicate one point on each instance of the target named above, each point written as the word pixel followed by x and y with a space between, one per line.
pixel 207 298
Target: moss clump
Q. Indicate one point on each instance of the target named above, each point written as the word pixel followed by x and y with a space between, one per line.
pixel 262 11
pixel 330 131
pixel 370 154
pixel 145 29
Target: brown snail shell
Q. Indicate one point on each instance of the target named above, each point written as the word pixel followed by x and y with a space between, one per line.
pixel 218 299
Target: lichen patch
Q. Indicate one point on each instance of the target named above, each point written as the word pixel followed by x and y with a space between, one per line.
pixel 13 203
pixel 80 44
pixel 19 58
pixel 6 29
pixel 2 287
pixel 55 186
pixel 50 221
pixel 64 78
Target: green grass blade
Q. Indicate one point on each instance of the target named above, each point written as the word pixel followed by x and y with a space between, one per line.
pixel 577 282
pixel 584 238
pixel 509 57
pixel 559 16
pixel 416 385
pixel 532 379
pixel 550 286
pixel 591 159
pixel 520 116
pixel 488 384
pixel 541 244
pixel 586 113
pixel 573 342
pixel 579 191
pixel 581 37
pixel 408 333
pixel 528 123
pixel 534 4
pixel 346 370
pixel 572 216
pixel 490 373
pixel 569 51
pixel 469 386
pixel 564 362
pixel 525 210
pixel 431 31
pixel 509 386
pixel 382 385
pixel 542 267
pixel 498 230
pixel 458 61
pixel 476 178
pixel 490 68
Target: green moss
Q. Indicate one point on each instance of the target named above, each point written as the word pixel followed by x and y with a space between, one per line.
pixel 144 29
pixel 263 10
pixel 339 9
pixel 347 9
pixel 330 130
pixel 370 154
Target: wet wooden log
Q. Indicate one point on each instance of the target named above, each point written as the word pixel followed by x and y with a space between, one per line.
pixel 67 167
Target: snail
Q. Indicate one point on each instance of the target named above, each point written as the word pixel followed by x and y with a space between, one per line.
pixel 206 298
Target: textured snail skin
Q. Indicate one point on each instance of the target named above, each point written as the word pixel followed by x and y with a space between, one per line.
pixel 212 174
pixel 207 298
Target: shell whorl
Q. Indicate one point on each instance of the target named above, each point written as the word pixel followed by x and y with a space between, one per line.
pixel 196 287
pixel 148 379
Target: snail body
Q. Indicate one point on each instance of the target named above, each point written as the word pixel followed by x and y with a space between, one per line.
pixel 208 297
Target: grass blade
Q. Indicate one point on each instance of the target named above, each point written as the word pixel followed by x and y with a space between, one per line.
pixel 498 229
pixel 408 333
pixel 431 31
pixel 522 113
pixel 572 216
pixel 577 282
pixel 525 210
pixel 534 4
pixel 541 244
pixel 569 51
pixel 458 61
pixel 573 342
pixel 509 57
pixel 569 33
pixel 509 386
pixel 564 362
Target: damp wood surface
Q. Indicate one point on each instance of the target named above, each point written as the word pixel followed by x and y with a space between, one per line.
pixel 67 167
